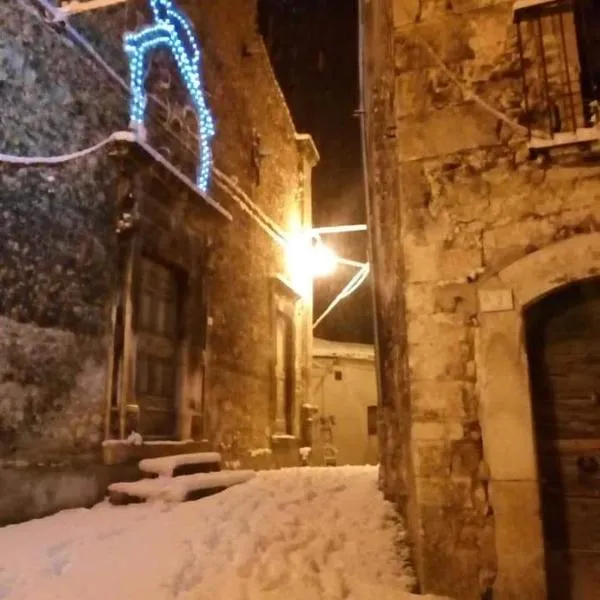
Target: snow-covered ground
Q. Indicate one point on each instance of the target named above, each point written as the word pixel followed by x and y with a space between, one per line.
pixel 296 534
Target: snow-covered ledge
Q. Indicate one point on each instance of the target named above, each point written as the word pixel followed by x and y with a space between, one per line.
pixel 583 135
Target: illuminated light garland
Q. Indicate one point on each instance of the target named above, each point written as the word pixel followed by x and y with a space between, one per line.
pixel 171 29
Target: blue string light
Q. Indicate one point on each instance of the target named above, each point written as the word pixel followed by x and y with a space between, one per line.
pixel 171 29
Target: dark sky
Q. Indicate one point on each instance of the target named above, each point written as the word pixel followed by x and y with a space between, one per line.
pixel 314 46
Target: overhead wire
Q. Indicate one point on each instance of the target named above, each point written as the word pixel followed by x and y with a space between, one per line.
pixel 223 181
pixel 255 212
pixel 467 92
pixel 63 158
pixel 357 280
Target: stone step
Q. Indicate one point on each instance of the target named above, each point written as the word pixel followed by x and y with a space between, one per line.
pixel 117 452
pixel 176 489
pixel 179 465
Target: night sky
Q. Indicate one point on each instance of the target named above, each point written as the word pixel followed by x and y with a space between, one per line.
pixel 313 46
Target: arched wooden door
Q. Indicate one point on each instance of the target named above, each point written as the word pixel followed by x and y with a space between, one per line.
pixel 563 344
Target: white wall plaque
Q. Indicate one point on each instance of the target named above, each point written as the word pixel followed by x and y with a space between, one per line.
pixel 498 300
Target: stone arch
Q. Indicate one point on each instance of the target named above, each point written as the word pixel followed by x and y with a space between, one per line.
pixel 506 408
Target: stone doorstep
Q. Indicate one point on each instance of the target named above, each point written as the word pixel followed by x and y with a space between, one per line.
pixel 181 489
pixel 122 499
pixel 118 452
pixel 179 465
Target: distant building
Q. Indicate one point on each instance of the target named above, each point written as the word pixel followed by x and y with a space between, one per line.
pixel 483 145
pixel 344 397
pixel 132 305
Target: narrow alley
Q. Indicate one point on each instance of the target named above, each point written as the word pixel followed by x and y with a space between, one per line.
pixel 287 534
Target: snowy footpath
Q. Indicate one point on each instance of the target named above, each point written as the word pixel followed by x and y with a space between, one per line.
pixel 296 534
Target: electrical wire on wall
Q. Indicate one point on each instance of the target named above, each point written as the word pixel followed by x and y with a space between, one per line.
pixel 64 158
pixel 221 180
pixel 225 182
pixel 357 280
pixel 467 92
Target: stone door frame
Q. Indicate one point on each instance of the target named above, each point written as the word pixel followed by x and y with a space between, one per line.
pixel 505 405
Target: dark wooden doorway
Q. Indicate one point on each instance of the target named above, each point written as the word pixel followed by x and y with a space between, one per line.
pixel 285 373
pixel 157 318
pixel 563 344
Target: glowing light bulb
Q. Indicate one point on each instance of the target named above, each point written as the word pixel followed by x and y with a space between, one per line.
pixel 307 258
pixel 323 260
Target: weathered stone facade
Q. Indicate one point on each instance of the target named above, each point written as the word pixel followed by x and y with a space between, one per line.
pixel 64 268
pixel 468 230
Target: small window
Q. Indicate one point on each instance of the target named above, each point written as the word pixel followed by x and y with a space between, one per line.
pixel 559 46
pixel 337 374
pixel 372 420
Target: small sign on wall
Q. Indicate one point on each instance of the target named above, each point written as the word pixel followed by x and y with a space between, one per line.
pixel 496 300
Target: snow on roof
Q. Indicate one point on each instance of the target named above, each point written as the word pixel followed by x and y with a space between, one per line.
pixel 165 465
pixel 328 349
pixel 175 489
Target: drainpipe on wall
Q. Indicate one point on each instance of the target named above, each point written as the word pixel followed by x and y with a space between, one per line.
pixel 372 249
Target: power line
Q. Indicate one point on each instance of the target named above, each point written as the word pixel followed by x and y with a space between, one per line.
pixel 265 222
pixel 63 158
pixel 467 92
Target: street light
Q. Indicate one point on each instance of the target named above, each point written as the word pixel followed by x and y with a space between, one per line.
pixel 323 260
pixel 308 258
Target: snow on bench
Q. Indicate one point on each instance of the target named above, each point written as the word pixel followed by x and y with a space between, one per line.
pixel 165 465
pixel 179 489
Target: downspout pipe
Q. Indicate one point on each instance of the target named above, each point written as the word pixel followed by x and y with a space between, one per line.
pixel 372 246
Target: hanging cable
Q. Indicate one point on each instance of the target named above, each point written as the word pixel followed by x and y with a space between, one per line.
pixel 467 92
pixel 64 158
pixel 280 239
pixel 223 181
pixel 256 212
pixel 348 289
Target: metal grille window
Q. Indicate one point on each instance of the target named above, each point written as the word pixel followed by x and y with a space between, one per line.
pixel 559 45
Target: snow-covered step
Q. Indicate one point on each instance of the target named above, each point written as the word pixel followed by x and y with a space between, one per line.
pixel 181 464
pixel 176 489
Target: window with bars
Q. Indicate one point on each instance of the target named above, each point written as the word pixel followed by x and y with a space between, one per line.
pixel 559 46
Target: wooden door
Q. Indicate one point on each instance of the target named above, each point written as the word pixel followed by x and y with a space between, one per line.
pixel 563 337
pixel 157 310
pixel 284 373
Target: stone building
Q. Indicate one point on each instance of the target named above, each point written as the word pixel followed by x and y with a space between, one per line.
pixel 130 301
pixel 483 160
pixel 344 401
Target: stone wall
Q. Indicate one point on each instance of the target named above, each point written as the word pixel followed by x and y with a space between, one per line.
pixel 56 244
pixel 272 171
pixel 467 202
pixel 57 227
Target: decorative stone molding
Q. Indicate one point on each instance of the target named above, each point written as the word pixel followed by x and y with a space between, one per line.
pixel 505 405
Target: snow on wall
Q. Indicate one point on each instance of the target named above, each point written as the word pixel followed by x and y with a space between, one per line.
pixel 56 243
pixel 51 394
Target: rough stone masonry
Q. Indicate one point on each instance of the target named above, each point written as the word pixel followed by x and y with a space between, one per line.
pixel 58 270
pixel 456 200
